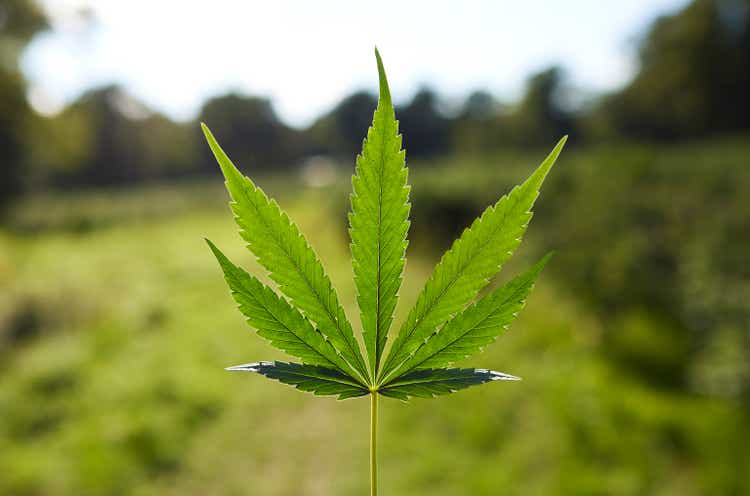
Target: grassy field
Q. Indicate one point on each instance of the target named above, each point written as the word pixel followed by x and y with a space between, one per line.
pixel 116 328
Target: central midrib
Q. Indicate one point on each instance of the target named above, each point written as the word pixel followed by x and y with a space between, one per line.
pixel 380 234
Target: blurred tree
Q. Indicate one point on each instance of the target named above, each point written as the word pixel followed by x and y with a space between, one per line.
pixel 479 105
pixel 107 137
pixel 340 132
pixel 19 21
pixel 425 129
pixel 540 118
pixel 480 125
pixel 693 78
pixel 251 133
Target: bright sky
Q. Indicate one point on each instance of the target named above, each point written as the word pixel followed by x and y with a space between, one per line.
pixel 306 55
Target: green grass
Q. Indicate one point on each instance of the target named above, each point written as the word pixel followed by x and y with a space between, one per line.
pixel 114 340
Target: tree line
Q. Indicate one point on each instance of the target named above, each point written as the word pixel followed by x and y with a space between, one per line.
pixel 692 82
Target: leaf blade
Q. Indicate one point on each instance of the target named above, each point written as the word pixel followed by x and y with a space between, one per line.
pixel 276 320
pixel 476 326
pixel 320 381
pixel 470 263
pixel 429 383
pixel 379 222
pixel 291 262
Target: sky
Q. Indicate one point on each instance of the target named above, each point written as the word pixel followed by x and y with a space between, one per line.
pixel 307 55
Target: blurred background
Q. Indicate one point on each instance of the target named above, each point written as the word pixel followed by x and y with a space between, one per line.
pixel 115 322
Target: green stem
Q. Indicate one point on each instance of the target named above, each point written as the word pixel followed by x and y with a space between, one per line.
pixel 374 444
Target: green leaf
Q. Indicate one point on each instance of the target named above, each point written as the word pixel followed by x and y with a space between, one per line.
pixel 476 326
pixel 320 381
pixel 276 320
pixel 379 222
pixel 290 260
pixel 428 383
pixel 470 263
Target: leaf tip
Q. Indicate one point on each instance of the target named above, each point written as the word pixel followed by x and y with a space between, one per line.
pixel 220 257
pixel 208 134
pixel 247 367
pixel 385 92
pixel 228 169
pixel 499 376
pixel 540 174
pixel 545 259
pixel 558 148
pixel 211 245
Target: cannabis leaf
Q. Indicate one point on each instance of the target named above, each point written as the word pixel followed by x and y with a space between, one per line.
pixel 443 327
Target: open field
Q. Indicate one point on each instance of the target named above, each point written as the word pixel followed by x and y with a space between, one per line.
pixel 116 325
